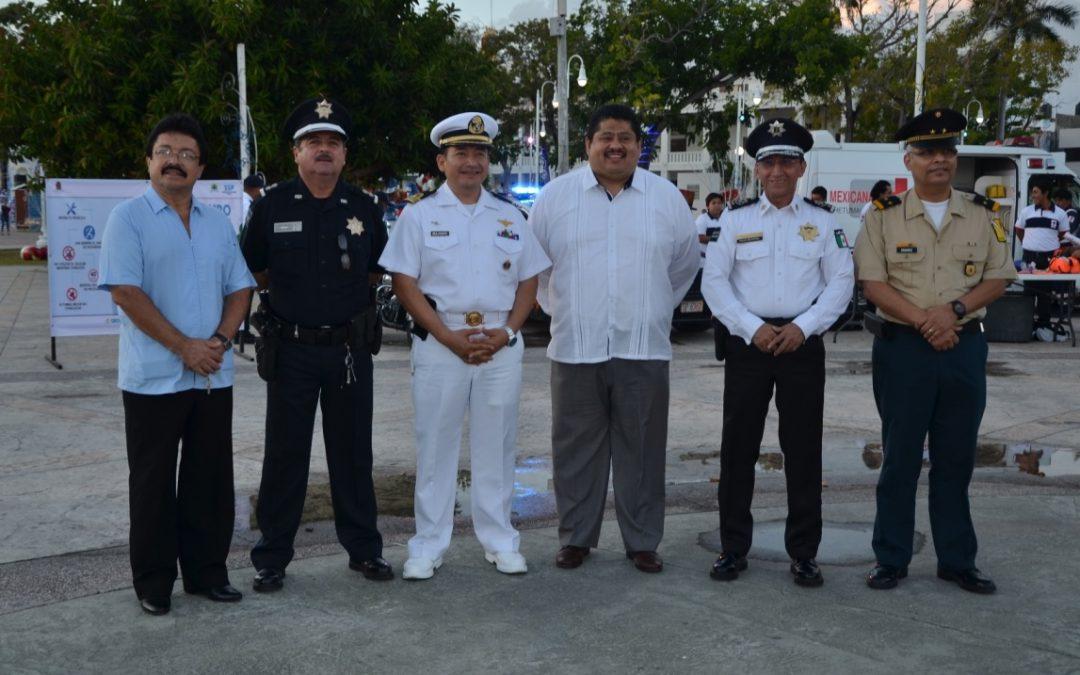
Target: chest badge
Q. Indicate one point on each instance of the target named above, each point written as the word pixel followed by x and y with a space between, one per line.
pixel 505 223
pixel 808 232
pixel 969 269
pixel 355 226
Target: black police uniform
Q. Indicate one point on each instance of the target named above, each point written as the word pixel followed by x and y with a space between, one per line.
pixel 295 237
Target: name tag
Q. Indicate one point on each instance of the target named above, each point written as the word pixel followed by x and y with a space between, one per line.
pixel 750 237
pixel 440 233
pixel 289 226
pixel 907 248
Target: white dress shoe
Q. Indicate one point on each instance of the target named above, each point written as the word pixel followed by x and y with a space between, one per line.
pixel 420 568
pixel 508 562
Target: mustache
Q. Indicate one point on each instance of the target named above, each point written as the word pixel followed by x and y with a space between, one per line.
pixel 176 168
pixel 324 156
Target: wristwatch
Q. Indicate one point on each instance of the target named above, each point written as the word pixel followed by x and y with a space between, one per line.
pixel 225 342
pixel 959 309
pixel 510 334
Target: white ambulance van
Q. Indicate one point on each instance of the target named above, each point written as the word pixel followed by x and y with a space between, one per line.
pixel 1003 173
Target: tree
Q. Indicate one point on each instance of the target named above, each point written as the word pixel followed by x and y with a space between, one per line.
pixel 1013 29
pixel 90 79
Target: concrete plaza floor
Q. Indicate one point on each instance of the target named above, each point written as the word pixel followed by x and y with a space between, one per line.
pixel 66 602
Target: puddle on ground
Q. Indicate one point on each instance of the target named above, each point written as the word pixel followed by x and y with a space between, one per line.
pixel 767 461
pixel 395 494
pixel 1036 460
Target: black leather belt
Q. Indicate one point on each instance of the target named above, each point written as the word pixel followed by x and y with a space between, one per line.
pixel 777 322
pixel 323 335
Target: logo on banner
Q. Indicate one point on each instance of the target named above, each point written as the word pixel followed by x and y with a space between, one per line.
pixel 72 294
pixel 88 233
pixel 71 209
pixel 69 253
pixel 93 275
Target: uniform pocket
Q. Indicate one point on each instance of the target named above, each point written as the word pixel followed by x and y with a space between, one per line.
pixel 510 250
pixel 440 240
pixel 288 255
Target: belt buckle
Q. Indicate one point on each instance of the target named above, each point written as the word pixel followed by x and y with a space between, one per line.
pixel 474 319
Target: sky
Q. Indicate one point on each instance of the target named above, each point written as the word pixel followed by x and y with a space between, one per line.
pixel 506 12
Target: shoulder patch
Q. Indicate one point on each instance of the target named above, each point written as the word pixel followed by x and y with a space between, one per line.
pixel 823 206
pixel 746 202
pixel 511 202
pixel 985 202
pixel 887 203
pixel 270 187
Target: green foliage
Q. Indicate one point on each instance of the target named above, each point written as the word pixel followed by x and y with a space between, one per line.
pixel 90 78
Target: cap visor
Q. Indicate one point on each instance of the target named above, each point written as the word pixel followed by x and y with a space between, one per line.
pixel 319 126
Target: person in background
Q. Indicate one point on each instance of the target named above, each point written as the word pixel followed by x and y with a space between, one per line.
pixel 881 191
pixel 1064 201
pixel 708 223
pixel 1041 227
pixel 819 195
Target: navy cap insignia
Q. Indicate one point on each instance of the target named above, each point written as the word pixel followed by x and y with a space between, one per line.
pixel 476 125
pixel 776 128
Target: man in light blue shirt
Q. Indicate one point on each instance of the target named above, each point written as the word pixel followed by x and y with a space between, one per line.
pixel 173 266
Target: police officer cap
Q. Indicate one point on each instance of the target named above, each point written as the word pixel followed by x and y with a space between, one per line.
pixel 318 114
pixel 936 128
pixel 468 128
pixel 778 136
pixel 255 180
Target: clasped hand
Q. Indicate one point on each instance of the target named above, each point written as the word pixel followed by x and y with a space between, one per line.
pixel 939 328
pixel 203 356
pixel 777 340
pixel 475 346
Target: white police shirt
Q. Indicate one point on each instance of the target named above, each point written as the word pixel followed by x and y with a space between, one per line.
pixel 620 265
pixel 775 263
pixel 464 259
pixel 1041 227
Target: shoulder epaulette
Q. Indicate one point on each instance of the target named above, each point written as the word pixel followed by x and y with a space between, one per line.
pixel 270 187
pixel 421 195
pixel 821 205
pixel 985 202
pixel 738 205
pixel 511 202
pixel 887 203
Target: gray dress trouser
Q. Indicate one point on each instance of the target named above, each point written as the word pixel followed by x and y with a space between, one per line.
pixel 610 416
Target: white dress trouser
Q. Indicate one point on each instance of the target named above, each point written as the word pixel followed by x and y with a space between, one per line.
pixel 443 388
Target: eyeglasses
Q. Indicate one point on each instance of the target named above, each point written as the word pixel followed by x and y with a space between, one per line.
pixel 165 152
pixel 343 244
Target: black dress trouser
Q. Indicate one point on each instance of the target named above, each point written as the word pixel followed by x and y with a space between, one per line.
pixel 189 517
pixel 749 379
pixel 308 376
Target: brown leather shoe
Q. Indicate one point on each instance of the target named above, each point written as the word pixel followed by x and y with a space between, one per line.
pixel 570 557
pixel 646 561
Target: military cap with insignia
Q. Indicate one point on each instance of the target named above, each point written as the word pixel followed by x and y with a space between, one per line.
pixel 778 136
pixel 468 128
pixel 935 128
pixel 318 114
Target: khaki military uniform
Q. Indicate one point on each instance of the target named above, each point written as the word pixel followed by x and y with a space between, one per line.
pixel 899 246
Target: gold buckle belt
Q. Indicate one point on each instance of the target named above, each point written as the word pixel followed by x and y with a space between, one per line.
pixel 474 319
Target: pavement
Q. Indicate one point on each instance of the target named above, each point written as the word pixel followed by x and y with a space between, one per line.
pixel 66 602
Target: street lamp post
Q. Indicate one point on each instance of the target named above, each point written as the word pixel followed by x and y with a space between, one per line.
pixel 738 141
pixel 979 118
pixel 541 131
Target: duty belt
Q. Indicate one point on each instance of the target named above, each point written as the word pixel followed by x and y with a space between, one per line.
pixel 473 319
pixel 973 326
pixel 323 335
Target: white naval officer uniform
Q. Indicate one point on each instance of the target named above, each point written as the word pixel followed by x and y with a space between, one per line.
pixel 467 259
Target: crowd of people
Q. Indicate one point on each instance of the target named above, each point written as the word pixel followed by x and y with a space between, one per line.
pixel 608 250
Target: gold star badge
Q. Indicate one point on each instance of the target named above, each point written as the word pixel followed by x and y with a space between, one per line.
pixel 776 128
pixel 808 232
pixel 354 225
pixel 323 109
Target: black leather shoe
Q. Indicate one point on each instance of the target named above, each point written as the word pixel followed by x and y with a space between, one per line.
pixel 570 557
pixel 155 606
pixel 375 569
pixel 224 593
pixel 727 567
pixel 970 580
pixel 268 580
pixel 807 573
pixel 885 576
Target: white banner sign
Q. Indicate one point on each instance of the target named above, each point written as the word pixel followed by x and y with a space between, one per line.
pixel 76 210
